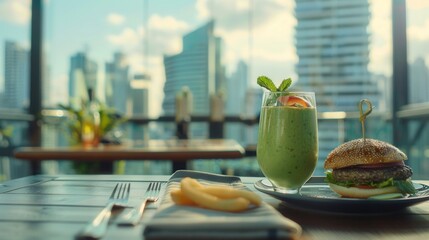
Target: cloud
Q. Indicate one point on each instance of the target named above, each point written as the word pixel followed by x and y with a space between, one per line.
pixel 15 11
pixel 166 34
pixel 234 15
pixel 115 19
pixel 128 39
pixel 203 11
pixel 418 39
pixel 167 24
pixel 419 33
pixel 263 37
pixel 381 33
pixel 417 30
pixel 417 4
pixel 380 29
pixel 162 36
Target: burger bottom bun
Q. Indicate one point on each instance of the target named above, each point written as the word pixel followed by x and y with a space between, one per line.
pixel 353 192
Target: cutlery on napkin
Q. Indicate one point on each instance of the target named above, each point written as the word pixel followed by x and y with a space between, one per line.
pixel 173 221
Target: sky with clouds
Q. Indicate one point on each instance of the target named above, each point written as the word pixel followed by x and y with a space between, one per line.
pixel 102 27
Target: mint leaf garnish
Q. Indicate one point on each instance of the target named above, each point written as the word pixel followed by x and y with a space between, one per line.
pixel 284 85
pixel 267 83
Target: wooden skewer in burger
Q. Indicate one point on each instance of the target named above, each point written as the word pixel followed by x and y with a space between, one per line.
pixel 364 167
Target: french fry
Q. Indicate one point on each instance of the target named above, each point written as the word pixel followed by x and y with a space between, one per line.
pixel 217 197
pixel 194 183
pixel 179 198
pixel 192 189
pixel 227 192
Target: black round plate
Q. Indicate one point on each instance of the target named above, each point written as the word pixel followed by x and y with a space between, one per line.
pixel 316 195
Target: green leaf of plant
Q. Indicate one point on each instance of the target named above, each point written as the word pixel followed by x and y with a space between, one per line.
pixel 284 85
pixel 108 119
pixel 267 83
pixel 7 131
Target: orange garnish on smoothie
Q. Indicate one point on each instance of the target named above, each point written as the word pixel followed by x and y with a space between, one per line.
pixel 294 101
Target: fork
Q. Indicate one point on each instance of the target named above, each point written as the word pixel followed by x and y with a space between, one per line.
pixel 98 226
pixel 134 216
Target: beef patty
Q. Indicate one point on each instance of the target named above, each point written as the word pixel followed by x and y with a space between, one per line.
pixel 359 175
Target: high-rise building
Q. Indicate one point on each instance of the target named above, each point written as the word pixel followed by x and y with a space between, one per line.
pixel 252 106
pixel 236 105
pixel 16 75
pixel 82 77
pixel 198 67
pixel 138 104
pixel 236 90
pixel 332 43
pixel 418 82
pixel 139 97
pixel 117 84
pixel 418 94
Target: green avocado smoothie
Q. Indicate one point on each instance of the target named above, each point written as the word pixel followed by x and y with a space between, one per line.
pixel 287 148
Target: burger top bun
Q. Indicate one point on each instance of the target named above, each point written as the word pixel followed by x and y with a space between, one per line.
pixel 360 151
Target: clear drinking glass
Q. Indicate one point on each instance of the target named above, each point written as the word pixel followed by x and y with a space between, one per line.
pixel 287 147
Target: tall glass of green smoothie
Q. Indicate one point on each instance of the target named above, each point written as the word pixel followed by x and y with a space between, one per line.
pixel 287 147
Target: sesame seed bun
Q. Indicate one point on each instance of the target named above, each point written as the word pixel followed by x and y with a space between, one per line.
pixel 361 152
pixel 353 192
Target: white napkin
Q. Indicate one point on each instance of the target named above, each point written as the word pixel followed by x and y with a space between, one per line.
pixel 172 221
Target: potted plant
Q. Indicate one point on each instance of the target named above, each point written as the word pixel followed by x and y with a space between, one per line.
pixel 91 122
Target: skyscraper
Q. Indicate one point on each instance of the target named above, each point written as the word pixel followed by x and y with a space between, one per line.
pixel 332 43
pixel 418 94
pixel 418 81
pixel 16 75
pixel 139 97
pixel 236 90
pixel 198 67
pixel 82 76
pixel 138 104
pixel 117 85
pixel 236 105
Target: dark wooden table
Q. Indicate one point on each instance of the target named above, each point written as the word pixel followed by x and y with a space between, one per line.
pixel 57 207
pixel 177 151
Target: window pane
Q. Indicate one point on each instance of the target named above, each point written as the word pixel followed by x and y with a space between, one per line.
pixel 418 92
pixel 137 55
pixel 418 52
pixel 14 54
pixel 15 17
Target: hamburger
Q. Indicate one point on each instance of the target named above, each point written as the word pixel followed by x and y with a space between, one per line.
pixel 363 168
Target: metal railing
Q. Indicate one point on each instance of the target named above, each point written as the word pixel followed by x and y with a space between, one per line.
pixel 347 123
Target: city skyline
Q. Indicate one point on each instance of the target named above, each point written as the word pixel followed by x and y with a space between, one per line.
pixel 127 28
pixel 419 78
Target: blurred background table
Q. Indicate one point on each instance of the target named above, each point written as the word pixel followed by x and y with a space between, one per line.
pixel 179 152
